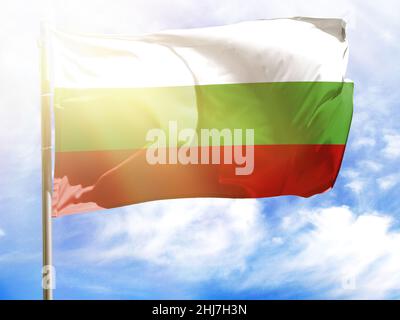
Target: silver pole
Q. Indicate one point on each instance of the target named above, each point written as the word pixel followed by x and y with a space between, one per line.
pixel 47 271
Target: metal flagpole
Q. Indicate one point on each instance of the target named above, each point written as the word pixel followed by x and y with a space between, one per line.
pixel 47 271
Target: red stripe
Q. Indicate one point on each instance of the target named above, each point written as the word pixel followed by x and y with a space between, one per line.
pixel 106 179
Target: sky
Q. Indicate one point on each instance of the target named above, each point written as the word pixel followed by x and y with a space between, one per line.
pixel 343 244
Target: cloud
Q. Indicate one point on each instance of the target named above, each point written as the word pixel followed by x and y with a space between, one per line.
pixel 388 182
pixel 392 148
pixel 2 233
pixel 371 165
pixel 356 185
pixel 329 252
pixel 325 249
pixel 364 142
pixel 199 236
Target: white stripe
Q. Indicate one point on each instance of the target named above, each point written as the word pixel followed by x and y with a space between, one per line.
pixel 297 49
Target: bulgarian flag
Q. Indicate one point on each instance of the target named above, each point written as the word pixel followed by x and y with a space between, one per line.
pixel 249 110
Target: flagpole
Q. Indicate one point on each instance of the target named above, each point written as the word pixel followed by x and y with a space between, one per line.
pixel 47 271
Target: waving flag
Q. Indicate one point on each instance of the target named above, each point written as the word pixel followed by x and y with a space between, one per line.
pixel 254 109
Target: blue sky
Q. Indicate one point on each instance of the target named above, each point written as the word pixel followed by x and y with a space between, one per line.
pixel 342 244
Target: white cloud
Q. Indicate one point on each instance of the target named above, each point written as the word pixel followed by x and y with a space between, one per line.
pixel 364 142
pixel 371 165
pixel 356 185
pixel 329 252
pixel 2 233
pixel 388 182
pixel 201 236
pixel 350 173
pixel 392 148
pixel 336 246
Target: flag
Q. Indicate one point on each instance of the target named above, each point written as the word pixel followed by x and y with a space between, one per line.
pixel 248 110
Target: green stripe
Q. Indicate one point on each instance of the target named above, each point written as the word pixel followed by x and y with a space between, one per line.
pixel 280 113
